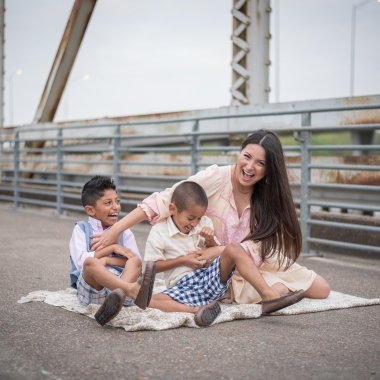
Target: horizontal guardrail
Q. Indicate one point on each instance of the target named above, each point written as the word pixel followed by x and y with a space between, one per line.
pixel 53 174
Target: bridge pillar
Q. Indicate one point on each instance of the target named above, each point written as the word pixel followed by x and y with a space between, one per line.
pixel 250 42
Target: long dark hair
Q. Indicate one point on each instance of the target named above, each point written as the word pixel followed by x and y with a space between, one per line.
pixel 273 219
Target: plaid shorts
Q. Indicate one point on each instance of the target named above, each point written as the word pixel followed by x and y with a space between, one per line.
pixel 200 287
pixel 86 294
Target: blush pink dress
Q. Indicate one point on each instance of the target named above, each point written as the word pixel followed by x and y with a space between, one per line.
pixel 229 228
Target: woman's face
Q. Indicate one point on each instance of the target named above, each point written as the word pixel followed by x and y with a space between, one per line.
pixel 251 165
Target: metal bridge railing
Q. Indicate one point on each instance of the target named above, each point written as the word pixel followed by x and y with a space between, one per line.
pixel 52 173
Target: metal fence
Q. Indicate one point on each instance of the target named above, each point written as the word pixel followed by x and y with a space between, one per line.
pixel 48 165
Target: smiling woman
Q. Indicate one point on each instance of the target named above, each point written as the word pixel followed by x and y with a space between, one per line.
pixel 261 216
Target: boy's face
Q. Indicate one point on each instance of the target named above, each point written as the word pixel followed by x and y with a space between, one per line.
pixel 187 219
pixel 106 209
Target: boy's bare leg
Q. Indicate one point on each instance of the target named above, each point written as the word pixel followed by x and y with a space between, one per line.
pixel 165 303
pixel 132 270
pixel 235 255
pixel 98 276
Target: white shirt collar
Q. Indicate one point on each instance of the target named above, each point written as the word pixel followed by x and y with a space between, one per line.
pixel 173 229
pixel 97 225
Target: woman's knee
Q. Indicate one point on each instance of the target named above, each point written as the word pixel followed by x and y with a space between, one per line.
pixel 232 249
pixel 319 288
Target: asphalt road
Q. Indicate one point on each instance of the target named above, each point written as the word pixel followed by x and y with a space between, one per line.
pixel 39 341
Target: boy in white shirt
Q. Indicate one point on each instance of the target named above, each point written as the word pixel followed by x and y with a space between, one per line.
pixel 107 276
pixel 192 286
pixel 169 242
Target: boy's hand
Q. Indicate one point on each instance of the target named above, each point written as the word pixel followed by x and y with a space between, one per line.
pixel 207 233
pixel 126 252
pixel 192 261
pixel 207 255
pixel 113 261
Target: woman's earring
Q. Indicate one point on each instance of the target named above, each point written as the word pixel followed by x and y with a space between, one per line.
pixel 266 180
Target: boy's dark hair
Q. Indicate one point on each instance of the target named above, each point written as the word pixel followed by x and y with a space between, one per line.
pixel 189 193
pixel 94 189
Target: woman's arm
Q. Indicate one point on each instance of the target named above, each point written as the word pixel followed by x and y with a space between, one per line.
pixel 112 235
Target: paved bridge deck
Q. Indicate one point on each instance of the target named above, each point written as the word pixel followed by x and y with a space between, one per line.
pixel 38 341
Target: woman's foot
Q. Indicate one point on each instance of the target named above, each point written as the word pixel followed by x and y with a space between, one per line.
pixel 270 306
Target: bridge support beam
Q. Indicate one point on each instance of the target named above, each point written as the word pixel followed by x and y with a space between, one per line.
pixel 250 41
pixel 64 60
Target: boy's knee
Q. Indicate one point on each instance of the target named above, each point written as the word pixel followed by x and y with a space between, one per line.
pixel 88 262
pixel 136 261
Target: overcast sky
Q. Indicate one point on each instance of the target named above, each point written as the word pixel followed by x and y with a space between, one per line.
pixel 152 56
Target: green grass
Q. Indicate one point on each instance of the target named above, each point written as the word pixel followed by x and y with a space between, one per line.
pixel 335 138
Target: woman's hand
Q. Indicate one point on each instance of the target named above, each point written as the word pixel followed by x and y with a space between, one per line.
pixel 208 255
pixel 107 238
pixel 126 252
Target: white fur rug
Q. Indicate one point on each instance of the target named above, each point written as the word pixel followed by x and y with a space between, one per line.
pixel 134 319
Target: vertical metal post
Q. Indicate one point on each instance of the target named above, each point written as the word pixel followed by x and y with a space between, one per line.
pixel 352 58
pixel 16 169
pixel 305 180
pixel 59 172
pixel 2 29
pixel 116 156
pixel 194 149
pixel 277 50
pixel 355 7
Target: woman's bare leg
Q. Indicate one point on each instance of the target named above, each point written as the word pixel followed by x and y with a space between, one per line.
pixel 319 288
pixel 280 288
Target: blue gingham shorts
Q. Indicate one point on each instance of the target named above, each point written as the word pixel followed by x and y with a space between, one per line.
pixel 86 294
pixel 200 287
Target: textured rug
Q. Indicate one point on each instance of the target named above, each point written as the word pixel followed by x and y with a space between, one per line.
pixel 134 319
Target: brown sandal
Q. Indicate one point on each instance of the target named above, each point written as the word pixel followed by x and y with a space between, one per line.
pixel 111 307
pixel 207 314
pixel 282 302
pixel 145 293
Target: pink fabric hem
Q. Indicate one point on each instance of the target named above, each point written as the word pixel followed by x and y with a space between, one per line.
pixel 151 215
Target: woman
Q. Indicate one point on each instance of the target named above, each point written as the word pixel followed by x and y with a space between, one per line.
pixel 249 202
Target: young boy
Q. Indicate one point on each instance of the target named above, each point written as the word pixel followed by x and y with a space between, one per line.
pixel 191 287
pixel 107 276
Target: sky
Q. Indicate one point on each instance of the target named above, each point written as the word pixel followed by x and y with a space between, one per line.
pixel 153 56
